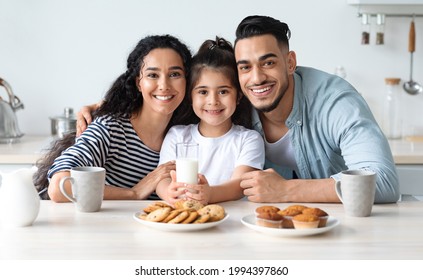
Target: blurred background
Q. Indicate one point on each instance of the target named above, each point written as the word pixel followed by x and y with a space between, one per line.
pixel 57 53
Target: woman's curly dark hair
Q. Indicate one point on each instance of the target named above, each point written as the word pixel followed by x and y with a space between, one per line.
pixel 122 100
pixel 56 148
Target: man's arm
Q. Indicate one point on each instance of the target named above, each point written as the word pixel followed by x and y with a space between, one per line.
pixel 269 186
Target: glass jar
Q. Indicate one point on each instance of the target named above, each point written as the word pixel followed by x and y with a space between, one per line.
pixel 380 29
pixel 392 118
pixel 340 71
pixel 365 29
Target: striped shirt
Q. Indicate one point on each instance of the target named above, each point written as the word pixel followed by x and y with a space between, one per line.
pixel 113 144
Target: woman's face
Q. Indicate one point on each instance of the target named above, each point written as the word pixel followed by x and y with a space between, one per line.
pixel 214 100
pixel 162 81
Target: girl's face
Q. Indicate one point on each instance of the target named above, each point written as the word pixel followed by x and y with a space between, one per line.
pixel 162 81
pixel 214 100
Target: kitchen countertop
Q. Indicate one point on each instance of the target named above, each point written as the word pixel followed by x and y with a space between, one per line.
pixel 407 152
pixel 27 151
pixel 30 149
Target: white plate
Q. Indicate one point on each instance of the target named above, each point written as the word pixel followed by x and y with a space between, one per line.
pixel 178 227
pixel 250 221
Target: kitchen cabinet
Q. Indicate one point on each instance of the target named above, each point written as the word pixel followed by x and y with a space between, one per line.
pixel 408 157
pixel 411 179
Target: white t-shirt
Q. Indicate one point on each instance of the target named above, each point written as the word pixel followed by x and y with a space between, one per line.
pixel 218 157
pixel 281 152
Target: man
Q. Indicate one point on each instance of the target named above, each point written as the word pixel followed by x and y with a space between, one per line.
pixel 314 124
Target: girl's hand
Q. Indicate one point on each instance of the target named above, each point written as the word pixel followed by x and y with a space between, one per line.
pixel 200 192
pixel 175 190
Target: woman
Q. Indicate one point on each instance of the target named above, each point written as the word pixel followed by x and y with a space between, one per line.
pixel 129 127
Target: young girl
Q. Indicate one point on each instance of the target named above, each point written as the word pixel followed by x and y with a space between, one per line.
pixel 227 149
pixel 130 125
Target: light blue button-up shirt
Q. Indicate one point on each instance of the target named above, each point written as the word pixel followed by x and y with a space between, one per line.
pixel 333 130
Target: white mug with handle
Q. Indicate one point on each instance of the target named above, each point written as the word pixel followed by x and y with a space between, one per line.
pixel 356 190
pixel 87 187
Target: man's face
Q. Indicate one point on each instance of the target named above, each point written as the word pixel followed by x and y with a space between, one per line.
pixel 263 69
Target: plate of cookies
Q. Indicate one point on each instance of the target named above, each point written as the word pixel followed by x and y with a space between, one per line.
pixel 186 215
pixel 294 220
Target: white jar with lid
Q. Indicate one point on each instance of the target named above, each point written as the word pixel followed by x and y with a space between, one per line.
pixel 392 119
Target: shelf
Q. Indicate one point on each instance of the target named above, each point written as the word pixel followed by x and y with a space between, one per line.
pixel 385 2
pixel 393 15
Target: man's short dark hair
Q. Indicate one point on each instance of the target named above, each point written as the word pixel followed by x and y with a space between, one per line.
pixel 262 25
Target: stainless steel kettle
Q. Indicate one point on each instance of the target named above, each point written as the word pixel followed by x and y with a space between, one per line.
pixel 9 129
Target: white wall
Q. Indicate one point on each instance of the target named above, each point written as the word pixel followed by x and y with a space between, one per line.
pixel 58 53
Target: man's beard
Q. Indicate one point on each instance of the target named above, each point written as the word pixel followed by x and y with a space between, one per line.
pixel 274 104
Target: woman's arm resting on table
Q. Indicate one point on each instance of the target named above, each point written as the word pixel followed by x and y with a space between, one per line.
pixel 140 191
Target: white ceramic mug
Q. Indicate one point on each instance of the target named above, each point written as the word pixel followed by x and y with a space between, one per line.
pixel 187 163
pixel 87 187
pixel 357 190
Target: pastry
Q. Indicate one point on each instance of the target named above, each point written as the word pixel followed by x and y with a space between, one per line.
pixel 298 207
pixel 158 215
pixel 172 215
pixel 192 204
pixel 187 212
pixel 287 214
pixel 192 216
pixel 215 211
pixel 269 219
pixel 267 208
pixel 154 206
pixel 303 221
pixel 201 219
pixel 323 216
pixel 179 204
pixel 180 217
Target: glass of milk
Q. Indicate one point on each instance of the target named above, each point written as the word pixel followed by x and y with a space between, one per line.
pixel 187 163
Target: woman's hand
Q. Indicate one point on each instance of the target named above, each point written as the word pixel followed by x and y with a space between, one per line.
pixel 149 183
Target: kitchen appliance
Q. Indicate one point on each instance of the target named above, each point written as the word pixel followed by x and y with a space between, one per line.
pixel 9 129
pixel 60 125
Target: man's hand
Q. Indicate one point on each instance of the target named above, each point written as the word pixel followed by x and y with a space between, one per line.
pixel 84 117
pixel 264 186
pixel 269 186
